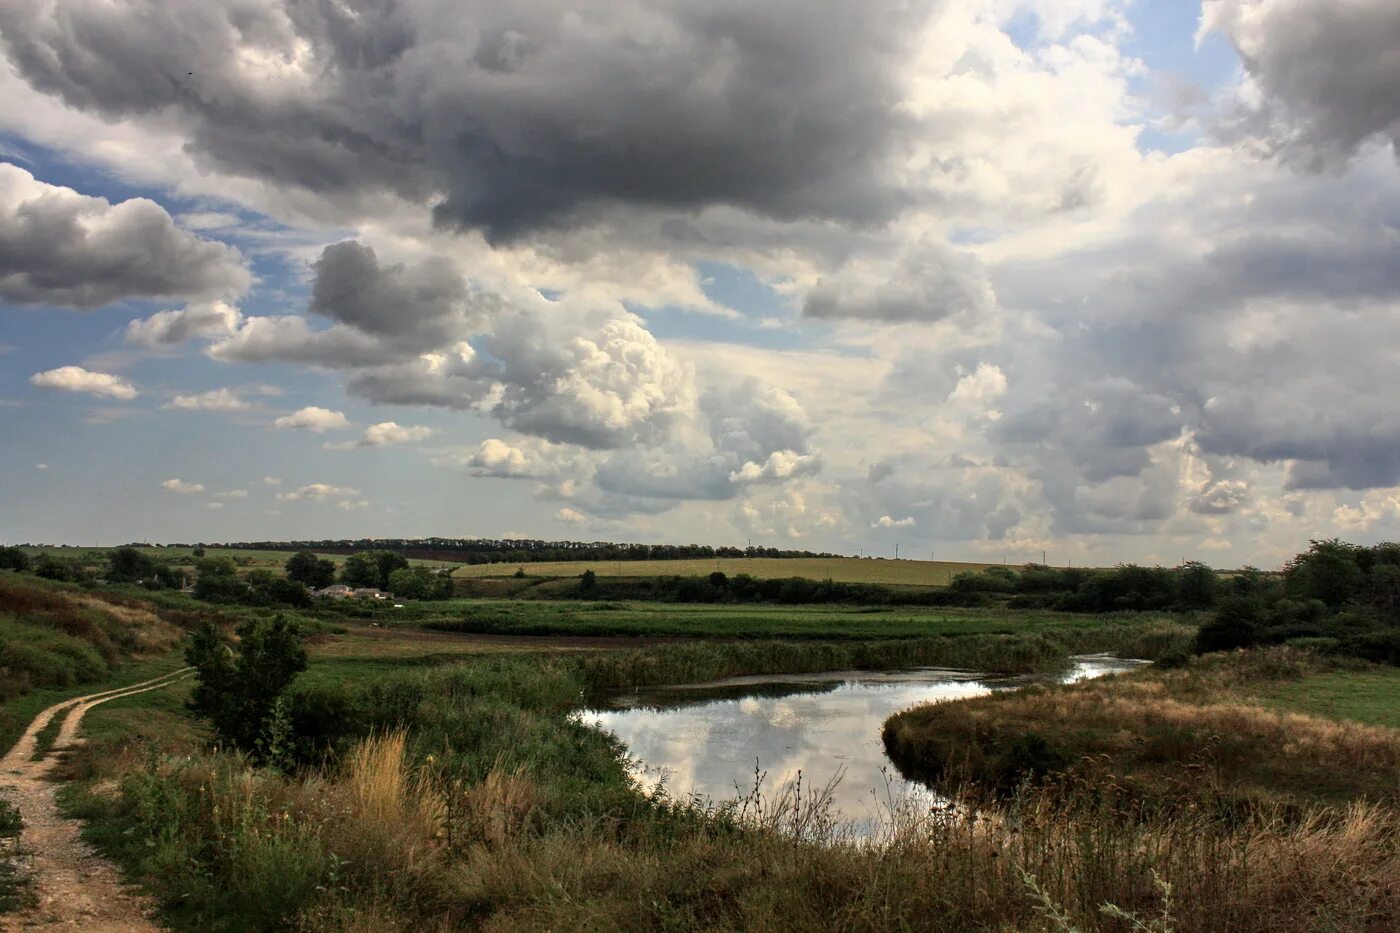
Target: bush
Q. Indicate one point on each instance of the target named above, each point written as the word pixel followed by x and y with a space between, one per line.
pixel 242 696
pixel 1236 625
pixel 12 558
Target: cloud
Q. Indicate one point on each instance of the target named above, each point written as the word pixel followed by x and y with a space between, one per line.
pixel 497 458
pixel 1222 497
pixel 169 328
pixel 233 494
pixel 570 516
pixel 272 481
pixel 317 492
pixel 291 339
pixel 885 521
pixel 178 485
pixel 518 117
pixel 418 307
pixel 927 283
pixel 77 379
pixel 780 465
pixel 1323 74
pixel 41 466
pixel 388 432
pixel 314 419
pixel 58 247
pixel 596 380
pixel 213 400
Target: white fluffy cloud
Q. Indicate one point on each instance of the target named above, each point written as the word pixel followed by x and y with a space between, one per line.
pixel 178 485
pixel 312 418
pixel 77 379
pixel 213 400
pixel 388 432
pixel 170 328
pixel 318 492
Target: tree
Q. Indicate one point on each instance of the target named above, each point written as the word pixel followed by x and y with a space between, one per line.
pixel 388 562
pixel 371 568
pixel 12 558
pixel 56 568
pixel 220 588
pixel 216 567
pixel 1329 571
pixel 1236 625
pixel 408 584
pixel 1196 585
pixel 242 697
pixel 310 571
pixel 281 591
pixel 128 565
pixel 361 569
pixel 588 582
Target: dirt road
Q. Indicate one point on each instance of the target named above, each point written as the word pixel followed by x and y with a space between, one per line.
pixel 75 888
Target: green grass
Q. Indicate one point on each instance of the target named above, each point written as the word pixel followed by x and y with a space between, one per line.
pixel 1371 696
pixel 839 569
pixel 691 620
pixel 17 712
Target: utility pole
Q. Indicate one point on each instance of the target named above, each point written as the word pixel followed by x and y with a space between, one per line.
pixel 896 551
pixel 1042 558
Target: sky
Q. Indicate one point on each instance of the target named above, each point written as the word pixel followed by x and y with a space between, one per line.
pixel 1108 280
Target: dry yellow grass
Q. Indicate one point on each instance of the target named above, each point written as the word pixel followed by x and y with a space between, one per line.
pixel 1161 733
pixel 840 569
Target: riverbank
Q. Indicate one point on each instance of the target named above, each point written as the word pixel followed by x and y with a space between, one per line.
pixel 1226 728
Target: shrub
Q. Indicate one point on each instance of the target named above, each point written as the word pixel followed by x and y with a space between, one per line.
pixel 241 697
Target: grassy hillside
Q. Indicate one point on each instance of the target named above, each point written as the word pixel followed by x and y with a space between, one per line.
pixel 840 569
pixel 57 640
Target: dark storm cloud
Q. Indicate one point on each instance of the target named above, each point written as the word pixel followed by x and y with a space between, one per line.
pixel 514 117
pixel 58 247
pixel 419 307
pixel 1327 72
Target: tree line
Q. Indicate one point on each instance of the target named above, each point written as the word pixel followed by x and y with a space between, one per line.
pixel 522 550
pixel 216 577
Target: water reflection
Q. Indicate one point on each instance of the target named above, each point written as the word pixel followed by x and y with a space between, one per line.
pixel 708 739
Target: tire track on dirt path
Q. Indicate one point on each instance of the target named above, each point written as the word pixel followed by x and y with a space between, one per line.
pixel 75 888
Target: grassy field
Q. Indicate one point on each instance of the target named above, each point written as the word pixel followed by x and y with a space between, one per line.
pixel 1371 696
pixel 692 620
pixel 840 569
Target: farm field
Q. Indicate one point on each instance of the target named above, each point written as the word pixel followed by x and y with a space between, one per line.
pixel 839 569
pixel 690 620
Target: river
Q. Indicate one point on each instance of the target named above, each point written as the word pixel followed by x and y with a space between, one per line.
pixel 709 740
